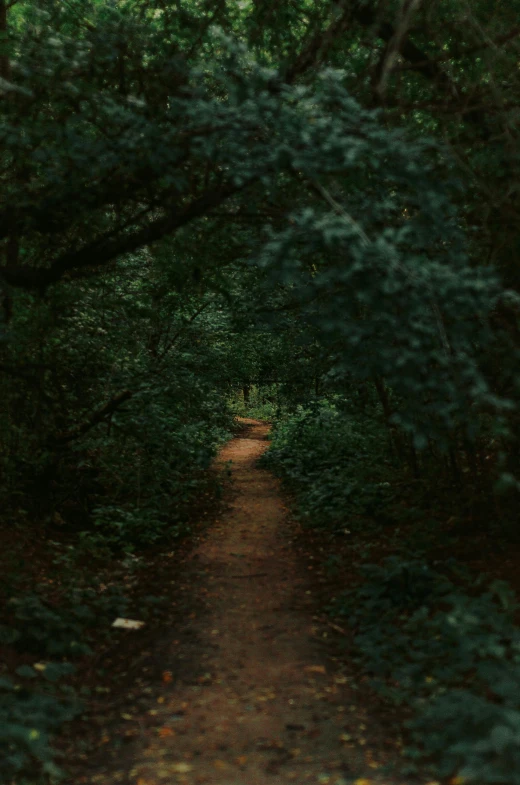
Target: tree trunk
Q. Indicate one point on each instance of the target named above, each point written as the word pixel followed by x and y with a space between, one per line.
pixel 5 70
pixel 395 439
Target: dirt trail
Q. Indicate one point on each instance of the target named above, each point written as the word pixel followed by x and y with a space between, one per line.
pixel 264 708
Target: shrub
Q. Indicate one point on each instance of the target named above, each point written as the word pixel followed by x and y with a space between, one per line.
pixel 28 718
pixel 452 654
pixel 336 462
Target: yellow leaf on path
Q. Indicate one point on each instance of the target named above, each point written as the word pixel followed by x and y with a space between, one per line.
pixel 220 764
pixel 315 669
pixel 362 782
pixel 182 768
pixel 160 699
pixel 345 737
pixel 127 716
pixel 458 780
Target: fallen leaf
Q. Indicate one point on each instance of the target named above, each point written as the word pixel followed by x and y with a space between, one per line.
pixel 182 768
pixel 315 669
pixel 167 676
pixel 163 732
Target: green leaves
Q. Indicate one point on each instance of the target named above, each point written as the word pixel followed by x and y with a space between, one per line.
pixel 330 457
pixel 452 657
pixel 27 721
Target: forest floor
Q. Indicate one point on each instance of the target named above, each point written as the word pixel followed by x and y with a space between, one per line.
pixel 252 688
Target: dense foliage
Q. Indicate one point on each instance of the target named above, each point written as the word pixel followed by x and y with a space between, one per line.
pixel 308 210
pixel 434 638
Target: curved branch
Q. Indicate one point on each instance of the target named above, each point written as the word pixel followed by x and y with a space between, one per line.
pixel 101 414
pixel 107 249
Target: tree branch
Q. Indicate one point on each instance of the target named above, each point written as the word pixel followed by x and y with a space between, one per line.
pixel 94 419
pixel 310 55
pixel 395 44
pixel 180 331
pixel 107 249
pixel 418 60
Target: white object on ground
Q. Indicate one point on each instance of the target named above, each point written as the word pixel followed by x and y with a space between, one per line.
pixel 128 624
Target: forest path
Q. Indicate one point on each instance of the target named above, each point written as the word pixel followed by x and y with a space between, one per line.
pixel 262 705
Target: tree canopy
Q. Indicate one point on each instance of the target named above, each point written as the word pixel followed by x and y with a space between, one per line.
pixel 204 201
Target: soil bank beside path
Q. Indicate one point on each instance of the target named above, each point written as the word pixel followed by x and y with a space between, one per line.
pixel 257 703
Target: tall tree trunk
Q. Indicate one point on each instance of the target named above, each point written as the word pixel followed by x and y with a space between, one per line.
pixel 395 439
pixel 11 251
pixel 5 69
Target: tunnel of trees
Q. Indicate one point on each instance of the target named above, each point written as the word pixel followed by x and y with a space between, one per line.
pixel 303 211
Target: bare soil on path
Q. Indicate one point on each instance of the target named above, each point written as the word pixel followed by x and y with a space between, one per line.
pixel 254 699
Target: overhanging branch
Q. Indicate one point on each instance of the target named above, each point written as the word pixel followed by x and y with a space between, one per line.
pixel 79 430
pixel 107 249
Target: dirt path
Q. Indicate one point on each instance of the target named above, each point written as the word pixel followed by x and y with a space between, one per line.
pixel 261 705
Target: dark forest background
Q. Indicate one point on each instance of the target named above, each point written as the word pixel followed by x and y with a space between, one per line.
pixel 302 211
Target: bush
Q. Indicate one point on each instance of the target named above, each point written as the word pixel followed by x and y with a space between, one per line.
pixel 39 628
pixel 336 462
pixel 27 721
pixel 452 654
pixel 434 640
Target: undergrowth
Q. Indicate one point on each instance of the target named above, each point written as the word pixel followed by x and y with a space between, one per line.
pixel 435 639
pixel 337 465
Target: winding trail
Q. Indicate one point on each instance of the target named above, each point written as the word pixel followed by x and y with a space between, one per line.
pixel 258 702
